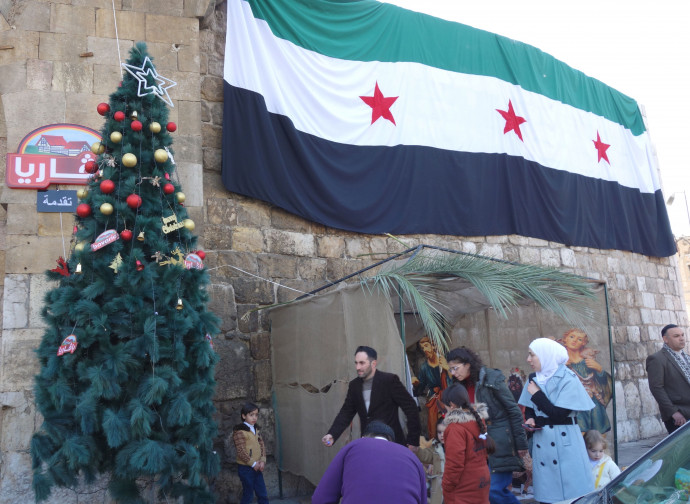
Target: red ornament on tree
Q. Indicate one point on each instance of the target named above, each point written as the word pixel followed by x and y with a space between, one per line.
pixel 140 266
pixel 171 127
pixel 103 108
pixel 91 167
pixel 136 126
pixel 168 188
pixel 119 116
pixel 83 209
pixel 107 186
pixel 126 235
pixel 201 254
pixel 134 201
pixel 167 176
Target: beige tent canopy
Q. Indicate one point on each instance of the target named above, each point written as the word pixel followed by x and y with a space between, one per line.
pixel 314 340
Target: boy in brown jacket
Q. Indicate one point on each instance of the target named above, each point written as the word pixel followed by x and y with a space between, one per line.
pixel 251 455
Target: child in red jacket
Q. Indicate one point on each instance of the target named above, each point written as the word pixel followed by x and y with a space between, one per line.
pixel 466 476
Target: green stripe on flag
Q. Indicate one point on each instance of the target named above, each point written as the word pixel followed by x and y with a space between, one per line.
pixel 366 30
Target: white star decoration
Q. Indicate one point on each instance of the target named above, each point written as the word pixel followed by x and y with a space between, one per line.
pixel 151 81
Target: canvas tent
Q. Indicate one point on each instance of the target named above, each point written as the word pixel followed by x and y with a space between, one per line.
pixel 314 340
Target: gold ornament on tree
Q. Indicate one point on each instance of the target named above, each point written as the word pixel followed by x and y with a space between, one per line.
pixel 189 224
pixel 106 209
pixel 129 160
pixel 160 155
pixel 117 263
pixel 116 137
pixel 180 197
pixel 98 148
pixel 155 127
pixel 82 192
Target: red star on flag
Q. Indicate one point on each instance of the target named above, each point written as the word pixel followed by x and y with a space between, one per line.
pixel 601 149
pixel 513 121
pixel 380 105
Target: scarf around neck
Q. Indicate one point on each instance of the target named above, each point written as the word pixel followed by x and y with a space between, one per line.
pixel 551 354
pixel 681 359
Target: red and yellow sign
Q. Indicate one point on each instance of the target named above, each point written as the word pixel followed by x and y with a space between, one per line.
pixel 54 154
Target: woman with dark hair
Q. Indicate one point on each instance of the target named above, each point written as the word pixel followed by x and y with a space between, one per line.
pixel 466 476
pixel 488 386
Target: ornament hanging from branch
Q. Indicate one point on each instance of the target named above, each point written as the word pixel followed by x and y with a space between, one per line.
pixel 105 238
pixel 193 261
pixel 170 224
pixel 116 264
pixel 62 267
pixel 150 81
pixel 69 344
pixel 209 338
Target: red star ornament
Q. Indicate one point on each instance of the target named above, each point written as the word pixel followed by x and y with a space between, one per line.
pixel 513 121
pixel 601 149
pixel 380 105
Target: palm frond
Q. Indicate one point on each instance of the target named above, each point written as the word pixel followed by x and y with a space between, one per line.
pixel 504 285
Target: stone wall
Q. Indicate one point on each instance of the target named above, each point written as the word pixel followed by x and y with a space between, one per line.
pixel 46 78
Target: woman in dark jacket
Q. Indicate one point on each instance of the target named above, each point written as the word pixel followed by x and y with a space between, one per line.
pixel 486 385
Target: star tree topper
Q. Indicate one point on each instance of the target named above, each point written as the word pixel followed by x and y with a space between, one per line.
pixel 150 81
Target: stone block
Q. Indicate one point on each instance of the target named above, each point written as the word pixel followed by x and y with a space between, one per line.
pixel 105 50
pixel 248 240
pixel 469 247
pixel 190 178
pixel 15 311
pixel 172 29
pixel 62 46
pixel 22 219
pixel 212 159
pixel 39 74
pixel 632 400
pixel 286 242
pixel 72 77
pixel 277 266
pixel 32 16
pixel 24 46
pixel 164 57
pixel 217 237
pixel 248 319
pixel 493 251
pixel 212 136
pixel 250 290
pixel 190 112
pixel 223 264
pixel 188 149
pixel 312 268
pixel 81 109
pixel 357 247
pixel 19 363
pixel 260 345
pixel 263 380
pixel 13 77
pixel 73 19
pixel 212 89
pixel 537 242
pixel 222 303
pixel 197 8
pixel 281 219
pixel 99 4
pixel 212 112
pixel 18 421
pixel 131 26
pixel 568 258
pixel 39 285
pixel 170 7
pixel 233 373
pixel 188 59
pixel 633 334
pixel 221 212
pixel 106 79
pixel 651 426
pixel 16 196
pixel 28 110
pixel 550 258
pixel 253 213
pixel 31 254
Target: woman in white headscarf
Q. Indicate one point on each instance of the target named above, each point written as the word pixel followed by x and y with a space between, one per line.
pixel 552 399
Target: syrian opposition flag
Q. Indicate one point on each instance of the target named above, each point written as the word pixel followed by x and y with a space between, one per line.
pixel 371 118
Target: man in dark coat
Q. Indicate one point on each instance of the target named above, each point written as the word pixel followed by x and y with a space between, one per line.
pixel 375 395
pixel 668 371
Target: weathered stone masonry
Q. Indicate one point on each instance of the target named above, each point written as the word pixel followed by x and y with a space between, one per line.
pixel 44 80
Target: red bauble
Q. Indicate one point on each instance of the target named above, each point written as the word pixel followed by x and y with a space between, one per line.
pixel 107 186
pixel 201 254
pixel 126 235
pixel 119 116
pixel 91 167
pixel 136 126
pixel 134 201
pixel 171 127
pixel 168 188
pixel 103 108
pixel 167 176
pixel 83 209
pixel 140 266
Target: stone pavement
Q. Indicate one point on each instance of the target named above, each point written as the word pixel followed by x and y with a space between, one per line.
pixel 627 454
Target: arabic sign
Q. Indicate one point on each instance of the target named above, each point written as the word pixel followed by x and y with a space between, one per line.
pixel 54 154
pixel 56 201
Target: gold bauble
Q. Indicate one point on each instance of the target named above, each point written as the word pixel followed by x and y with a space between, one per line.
pixel 161 156
pixel 106 208
pixel 82 192
pixel 155 127
pixel 98 148
pixel 189 224
pixel 129 160
pixel 180 197
pixel 116 137
pixel 79 246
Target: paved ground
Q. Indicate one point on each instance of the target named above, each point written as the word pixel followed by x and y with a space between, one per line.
pixel 627 454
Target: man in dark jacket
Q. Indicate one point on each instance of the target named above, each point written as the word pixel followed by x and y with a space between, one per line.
pixel 375 395
pixel 668 371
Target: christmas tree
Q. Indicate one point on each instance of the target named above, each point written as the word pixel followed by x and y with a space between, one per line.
pixel 126 378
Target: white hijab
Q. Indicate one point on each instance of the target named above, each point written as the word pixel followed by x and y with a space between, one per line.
pixel 551 354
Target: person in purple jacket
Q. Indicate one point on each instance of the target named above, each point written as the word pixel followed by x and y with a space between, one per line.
pixel 373 469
